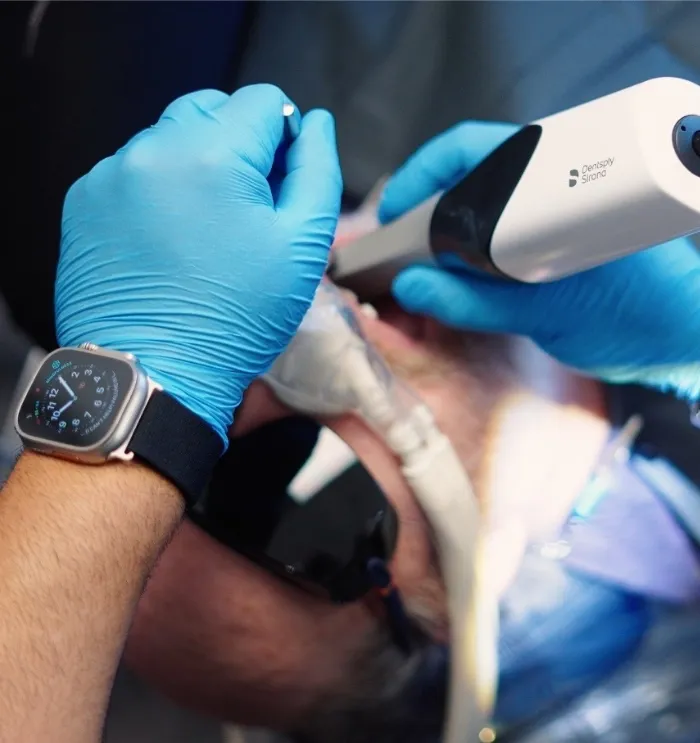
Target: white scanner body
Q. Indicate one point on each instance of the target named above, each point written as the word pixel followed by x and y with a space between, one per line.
pixel 571 191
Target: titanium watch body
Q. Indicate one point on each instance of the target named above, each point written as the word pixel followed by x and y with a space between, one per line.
pixel 92 405
pixel 84 404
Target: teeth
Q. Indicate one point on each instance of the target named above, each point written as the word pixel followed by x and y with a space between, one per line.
pixel 369 311
pixel 349 295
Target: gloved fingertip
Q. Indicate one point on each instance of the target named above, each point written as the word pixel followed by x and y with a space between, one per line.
pixel 459 301
pixel 316 139
pixel 386 211
pixel 413 290
pixel 320 118
pixel 394 201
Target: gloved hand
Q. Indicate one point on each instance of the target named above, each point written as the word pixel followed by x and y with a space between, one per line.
pixel 185 250
pixel 634 320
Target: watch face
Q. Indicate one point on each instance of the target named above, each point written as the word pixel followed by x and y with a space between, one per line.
pixel 75 398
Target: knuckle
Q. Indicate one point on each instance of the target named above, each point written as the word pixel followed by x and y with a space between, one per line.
pixel 73 193
pixel 268 90
pixel 205 95
pixel 139 157
pixel 211 157
pixel 144 161
pixel 198 103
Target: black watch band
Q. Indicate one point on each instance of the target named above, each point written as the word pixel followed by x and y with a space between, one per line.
pixel 178 444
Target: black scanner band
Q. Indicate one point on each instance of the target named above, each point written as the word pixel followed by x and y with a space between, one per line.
pixel 178 444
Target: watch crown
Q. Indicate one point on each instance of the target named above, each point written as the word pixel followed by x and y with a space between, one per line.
pixel 89 347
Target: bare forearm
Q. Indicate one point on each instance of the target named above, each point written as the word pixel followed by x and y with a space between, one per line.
pixel 76 546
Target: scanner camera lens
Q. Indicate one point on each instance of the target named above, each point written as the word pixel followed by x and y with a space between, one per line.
pixel 695 143
pixel 686 142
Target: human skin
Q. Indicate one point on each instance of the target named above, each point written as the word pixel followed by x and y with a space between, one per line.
pixel 76 546
pixel 221 635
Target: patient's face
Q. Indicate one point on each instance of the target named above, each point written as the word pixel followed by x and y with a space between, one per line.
pixel 219 634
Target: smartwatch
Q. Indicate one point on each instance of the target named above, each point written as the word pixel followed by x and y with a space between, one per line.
pixel 94 406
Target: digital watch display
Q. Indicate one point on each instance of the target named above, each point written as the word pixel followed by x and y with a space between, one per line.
pixel 94 405
pixel 75 397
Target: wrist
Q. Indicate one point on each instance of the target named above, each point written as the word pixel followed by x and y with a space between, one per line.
pixel 95 405
pixel 77 544
pixel 204 395
pixel 123 511
pixel 187 373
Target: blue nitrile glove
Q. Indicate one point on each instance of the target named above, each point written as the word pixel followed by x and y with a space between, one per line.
pixel 181 250
pixel 634 320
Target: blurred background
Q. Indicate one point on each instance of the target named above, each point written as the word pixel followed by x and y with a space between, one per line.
pixel 79 79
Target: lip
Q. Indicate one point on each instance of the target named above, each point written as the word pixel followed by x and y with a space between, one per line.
pixel 389 327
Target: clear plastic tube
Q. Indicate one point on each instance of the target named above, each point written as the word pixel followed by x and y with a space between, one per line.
pixel 331 368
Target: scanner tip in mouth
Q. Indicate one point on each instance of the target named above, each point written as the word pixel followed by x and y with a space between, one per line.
pixel 388 326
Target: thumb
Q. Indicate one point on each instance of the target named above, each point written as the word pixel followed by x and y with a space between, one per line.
pixel 312 189
pixel 194 104
pixel 259 407
pixel 465 302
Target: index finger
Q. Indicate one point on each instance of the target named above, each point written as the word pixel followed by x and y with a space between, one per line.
pixel 439 164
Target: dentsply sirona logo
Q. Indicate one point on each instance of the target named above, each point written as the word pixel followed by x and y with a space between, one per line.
pixel 574 178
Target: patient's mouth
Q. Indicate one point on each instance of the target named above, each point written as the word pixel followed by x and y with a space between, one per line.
pixel 369 311
pixel 387 325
